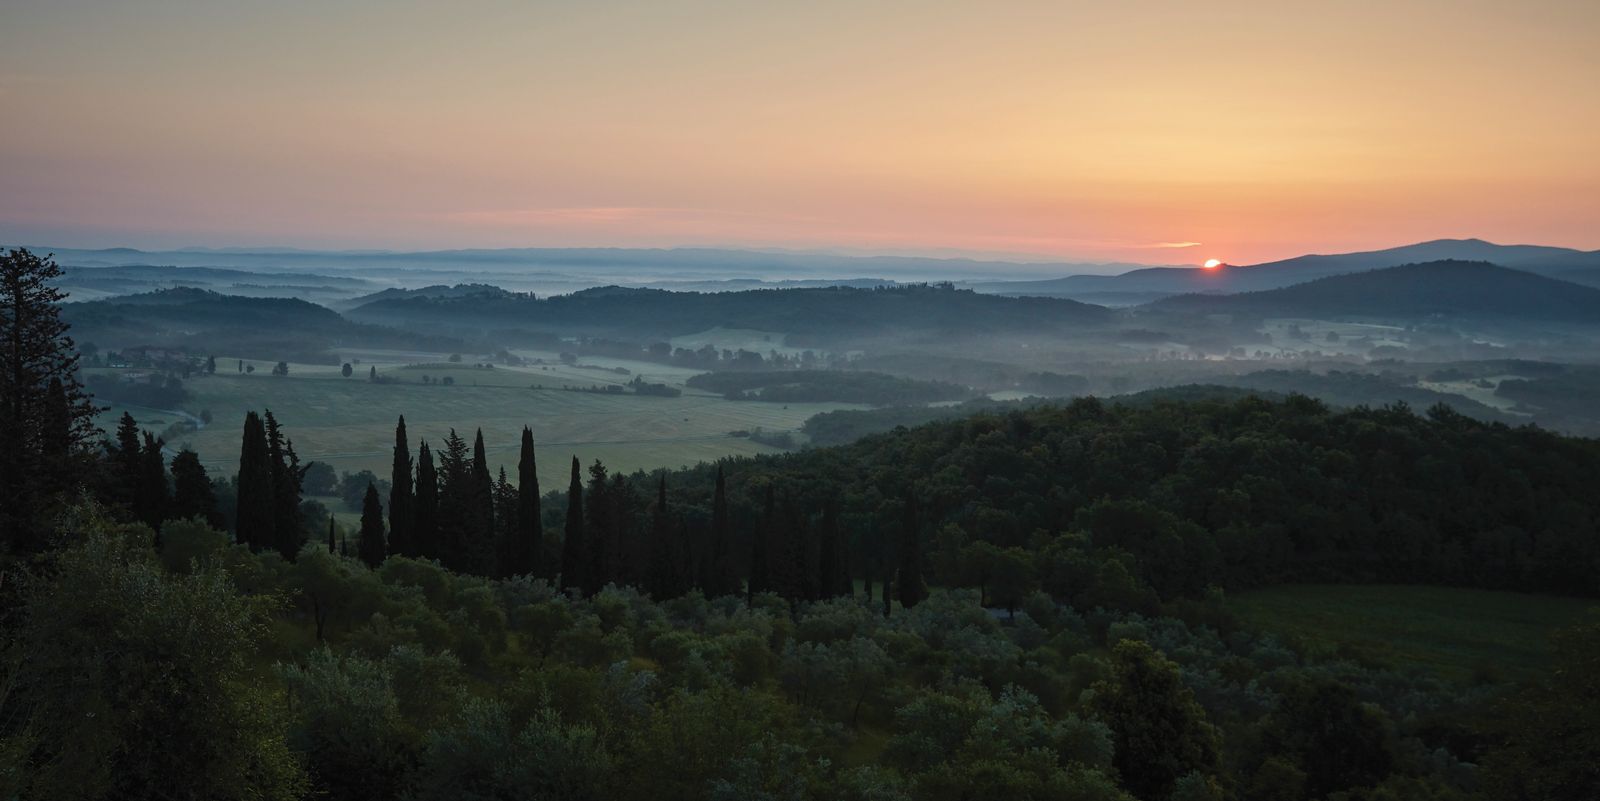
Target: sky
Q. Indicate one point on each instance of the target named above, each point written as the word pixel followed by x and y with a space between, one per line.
pixel 1137 131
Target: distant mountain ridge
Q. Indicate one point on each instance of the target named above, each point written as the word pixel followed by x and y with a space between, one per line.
pixel 1449 288
pixel 1149 284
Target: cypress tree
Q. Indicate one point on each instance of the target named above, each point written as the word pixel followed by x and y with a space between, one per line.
pixel 127 458
pixel 505 524
pixel 370 546
pixel 38 420
pixel 480 543
pixel 526 544
pixel 833 579
pixel 722 576
pixel 254 526
pixel 598 531
pixel 286 475
pixel 759 567
pixel 455 501
pixel 192 495
pixel 629 551
pixel 573 556
pixel 401 513
pixel 425 523
pixel 912 587
pixel 57 445
pixel 331 548
pixel 150 504
pixel 665 569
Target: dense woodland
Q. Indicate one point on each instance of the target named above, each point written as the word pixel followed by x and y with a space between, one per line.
pixel 1028 603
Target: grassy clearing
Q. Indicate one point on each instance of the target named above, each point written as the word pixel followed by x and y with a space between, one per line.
pixel 1458 634
pixel 349 422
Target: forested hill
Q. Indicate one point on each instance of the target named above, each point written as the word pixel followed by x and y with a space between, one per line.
pixel 1450 288
pixel 1231 493
pixel 201 320
pixel 817 313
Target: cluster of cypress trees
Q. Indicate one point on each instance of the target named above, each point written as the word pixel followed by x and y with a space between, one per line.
pixel 138 479
pixel 269 488
pixel 446 505
pixel 455 511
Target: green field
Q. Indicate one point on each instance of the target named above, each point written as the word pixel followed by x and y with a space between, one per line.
pixel 1454 633
pixel 349 422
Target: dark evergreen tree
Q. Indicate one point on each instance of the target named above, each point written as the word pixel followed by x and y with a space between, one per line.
pixel 913 588
pixel 44 428
pixel 455 501
pixel 505 524
pixel 528 533
pixel 759 568
pixel 331 546
pixel 370 545
pixel 833 579
pixel 192 495
pixel 127 462
pixel 401 511
pixel 153 496
pixel 480 544
pixel 722 574
pixel 254 517
pixel 287 475
pixel 425 523
pixel 667 557
pixel 573 553
pixel 600 537
pixel 629 551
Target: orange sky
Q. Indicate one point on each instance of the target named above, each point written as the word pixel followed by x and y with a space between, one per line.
pixel 1092 130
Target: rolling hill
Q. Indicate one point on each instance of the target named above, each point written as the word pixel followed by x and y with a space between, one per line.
pixel 1438 288
pixel 824 314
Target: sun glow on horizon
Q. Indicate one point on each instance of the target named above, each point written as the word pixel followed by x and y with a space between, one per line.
pixel 1212 264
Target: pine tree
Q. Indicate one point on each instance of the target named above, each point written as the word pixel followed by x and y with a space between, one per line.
pixel 722 576
pixel 370 545
pixel 36 417
pixel 912 587
pixel 254 516
pixel 601 538
pixel 425 522
pixel 150 505
pixel 759 567
pixel 192 496
pixel 573 552
pixel 401 512
pixel 528 533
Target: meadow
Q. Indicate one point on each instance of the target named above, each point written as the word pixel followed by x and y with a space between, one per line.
pixel 349 422
pixel 1454 633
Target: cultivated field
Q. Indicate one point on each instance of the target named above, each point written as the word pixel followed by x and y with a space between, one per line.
pixel 1459 634
pixel 349 422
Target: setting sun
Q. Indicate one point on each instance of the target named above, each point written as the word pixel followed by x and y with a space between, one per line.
pixel 1212 264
